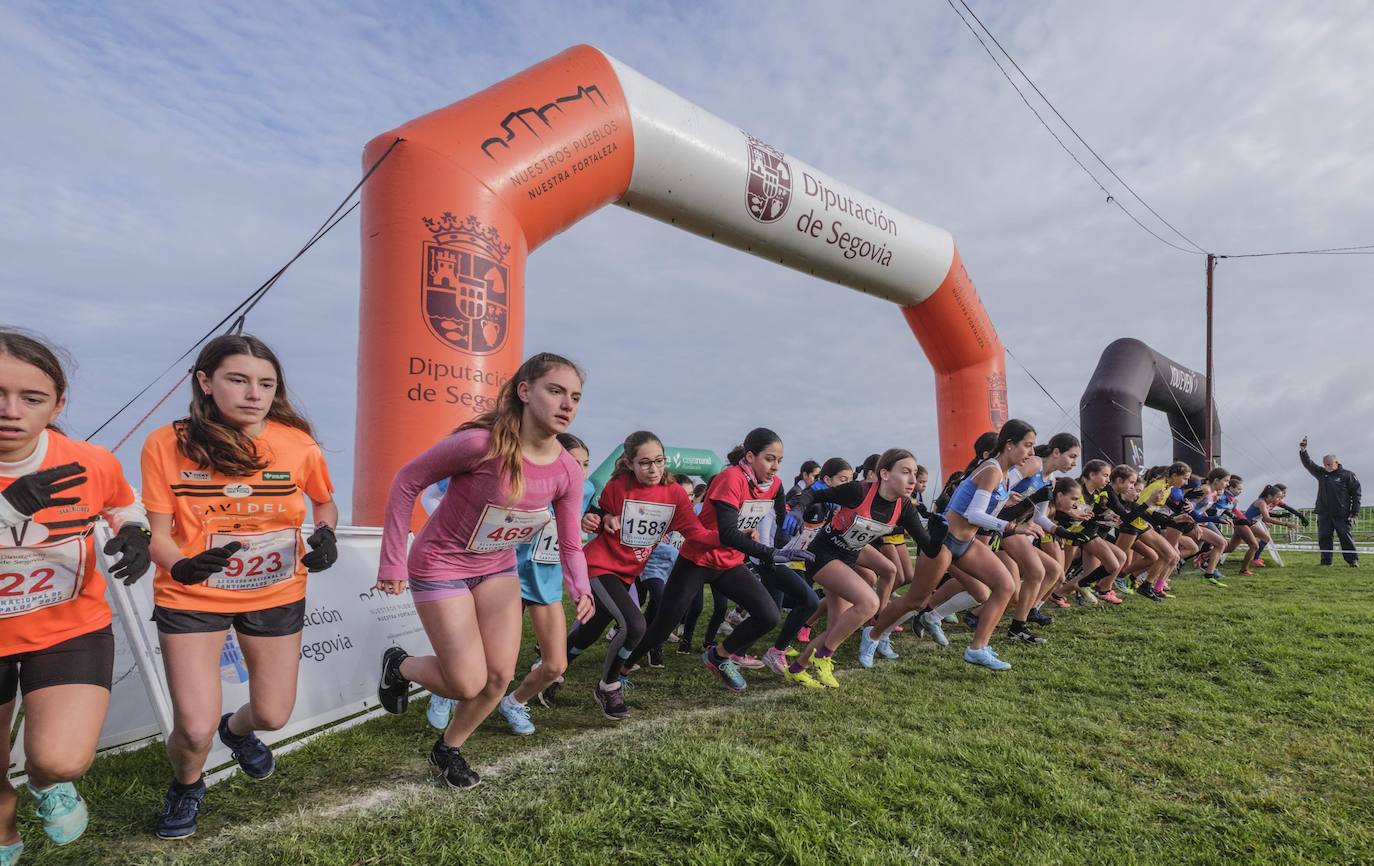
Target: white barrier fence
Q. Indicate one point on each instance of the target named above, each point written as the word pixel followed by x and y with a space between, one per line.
pixel 347 625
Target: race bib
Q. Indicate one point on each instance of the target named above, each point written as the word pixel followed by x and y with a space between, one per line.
pixel 504 528
pixel 643 524
pixel 37 577
pixel 266 558
pixel 674 538
pixel 862 531
pixel 545 544
pixel 752 512
pixel 802 540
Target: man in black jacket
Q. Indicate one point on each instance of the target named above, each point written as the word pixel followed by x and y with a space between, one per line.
pixel 1338 501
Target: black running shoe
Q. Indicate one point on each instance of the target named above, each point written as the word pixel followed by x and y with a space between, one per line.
pixel 971 620
pixel 252 754
pixel 548 698
pixel 612 703
pixel 655 657
pixel 684 648
pixel 393 690
pixel 452 767
pixel 1025 635
pixel 1040 618
pixel 180 809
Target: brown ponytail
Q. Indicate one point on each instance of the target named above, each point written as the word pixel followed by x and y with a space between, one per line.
pixel 504 421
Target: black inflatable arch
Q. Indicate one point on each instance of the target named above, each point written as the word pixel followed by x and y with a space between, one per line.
pixel 1129 377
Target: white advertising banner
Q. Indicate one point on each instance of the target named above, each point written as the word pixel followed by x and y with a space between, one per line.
pixel 347 626
pixel 701 174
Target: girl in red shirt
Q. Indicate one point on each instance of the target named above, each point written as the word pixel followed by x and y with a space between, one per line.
pixel 637 508
pixel 736 501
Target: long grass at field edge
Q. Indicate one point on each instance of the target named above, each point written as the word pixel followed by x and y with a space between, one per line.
pixel 1226 725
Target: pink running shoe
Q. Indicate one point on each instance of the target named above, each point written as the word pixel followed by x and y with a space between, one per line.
pixel 776 660
pixel 749 662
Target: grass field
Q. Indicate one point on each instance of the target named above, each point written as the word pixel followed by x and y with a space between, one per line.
pixel 1227 725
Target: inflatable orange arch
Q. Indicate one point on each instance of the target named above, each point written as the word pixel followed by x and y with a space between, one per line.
pixel 470 190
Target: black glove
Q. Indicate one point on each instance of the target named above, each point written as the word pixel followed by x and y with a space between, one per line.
pixel 198 568
pixel 324 550
pixel 31 493
pixel 131 542
pixel 781 556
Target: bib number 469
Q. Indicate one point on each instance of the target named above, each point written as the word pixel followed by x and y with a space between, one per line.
pixel 517 534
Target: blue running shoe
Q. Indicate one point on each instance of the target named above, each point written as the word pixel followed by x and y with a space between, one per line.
pixel 517 715
pixel 63 812
pixel 252 754
pixel 9 854
pixel 727 670
pixel 180 810
pixel 987 658
pixel 885 648
pixel 971 620
pixel 931 623
pixel 867 646
pixel 439 711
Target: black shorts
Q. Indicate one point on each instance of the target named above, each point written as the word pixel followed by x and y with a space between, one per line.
pixel 1128 529
pixel 86 659
pixel 826 553
pixel 271 622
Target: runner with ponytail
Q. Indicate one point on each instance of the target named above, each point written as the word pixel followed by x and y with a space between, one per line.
pixel 505 468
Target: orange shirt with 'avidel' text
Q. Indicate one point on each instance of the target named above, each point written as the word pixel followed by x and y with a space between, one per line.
pixel 262 511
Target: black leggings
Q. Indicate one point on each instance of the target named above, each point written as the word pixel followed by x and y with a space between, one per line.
pixel 790 589
pixel 720 606
pixel 689 620
pixel 738 584
pixel 613 602
pixel 652 591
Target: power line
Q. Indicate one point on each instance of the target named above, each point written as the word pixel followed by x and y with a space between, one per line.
pixel 240 312
pixel 1366 249
pixel 1080 138
pixel 1110 198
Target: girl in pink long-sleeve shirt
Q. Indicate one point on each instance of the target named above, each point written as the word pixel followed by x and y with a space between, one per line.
pixel 504 467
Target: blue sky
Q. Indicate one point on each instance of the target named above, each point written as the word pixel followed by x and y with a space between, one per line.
pixel 161 161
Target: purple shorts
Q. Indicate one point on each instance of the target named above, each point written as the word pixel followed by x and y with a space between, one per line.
pixel 427 589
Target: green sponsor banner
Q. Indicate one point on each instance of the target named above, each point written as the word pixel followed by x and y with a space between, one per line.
pixel 696 462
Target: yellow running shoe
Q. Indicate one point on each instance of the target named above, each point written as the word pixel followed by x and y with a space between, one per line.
pixel 825 672
pixel 793 652
pixel 803 679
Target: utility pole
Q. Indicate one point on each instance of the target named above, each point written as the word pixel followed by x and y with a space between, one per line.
pixel 1211 265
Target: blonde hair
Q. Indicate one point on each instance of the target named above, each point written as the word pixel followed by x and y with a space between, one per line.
pixel 504 421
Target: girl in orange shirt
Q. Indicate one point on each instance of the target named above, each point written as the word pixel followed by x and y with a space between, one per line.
pixel 223 488
pixel 55 641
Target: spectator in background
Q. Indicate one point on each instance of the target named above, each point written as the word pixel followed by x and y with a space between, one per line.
pixel 1338 502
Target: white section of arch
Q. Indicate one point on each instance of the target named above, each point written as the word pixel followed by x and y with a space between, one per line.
pixel 693 170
